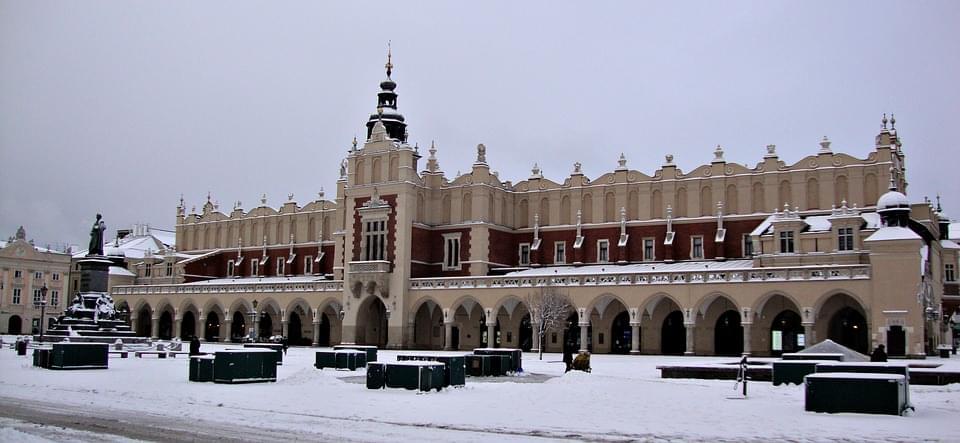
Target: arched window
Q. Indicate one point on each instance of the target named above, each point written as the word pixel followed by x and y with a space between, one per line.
pixel 394 168
pixel 706 201
pixel 466 208
pixel 586 209
pixel 870 189
pixel 730 205
pixel 565 210
pixel 544 211
pixel 842 191
pixel 633 205
pixel 376 175
pixel 656 204
pixel 680 203
pixel 785 193
pixel 445 209
pixel 756 199
pixel 609 207
pixel 523 214
pixel 813 194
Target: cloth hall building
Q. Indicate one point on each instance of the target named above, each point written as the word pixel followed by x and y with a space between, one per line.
pixel 719 260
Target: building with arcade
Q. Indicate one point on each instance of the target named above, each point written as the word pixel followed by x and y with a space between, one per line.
pixel 719 260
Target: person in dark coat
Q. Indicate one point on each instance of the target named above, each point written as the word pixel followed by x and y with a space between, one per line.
pixel 194 345
pixel 286 344
pixel 568 355
pixel 879 354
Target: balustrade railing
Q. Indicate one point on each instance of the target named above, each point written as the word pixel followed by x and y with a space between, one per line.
pixel 230 288
pixel 802 273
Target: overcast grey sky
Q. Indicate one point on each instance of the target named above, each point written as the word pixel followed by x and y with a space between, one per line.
pixel 119 107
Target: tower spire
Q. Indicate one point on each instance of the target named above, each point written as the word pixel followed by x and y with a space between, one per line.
pixel 389 64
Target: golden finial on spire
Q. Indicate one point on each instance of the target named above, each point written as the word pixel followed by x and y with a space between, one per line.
pixel 389 64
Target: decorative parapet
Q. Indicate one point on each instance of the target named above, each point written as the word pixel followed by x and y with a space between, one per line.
pixel 760 275
pixel 373 266
pixel 229 288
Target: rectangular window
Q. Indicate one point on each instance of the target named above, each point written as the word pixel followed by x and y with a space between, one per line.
pixel 147 268
pixel 524 254
pixel 949 272
pixel 169 271
pixel 36 297
pixel 603 251
pixel 696 246
pixel 54 298
pixel 559 252
pixel 747 245
pixel 17 274
pixel 38 275
pixel 56 276
pixel 230 268
pixel 845 239
pixel 16 296
pixel 280 266
pixel 308 265
pixel 786 242
pixel 255 267
pixel 375 236
pixel 451 252
pixel 649 253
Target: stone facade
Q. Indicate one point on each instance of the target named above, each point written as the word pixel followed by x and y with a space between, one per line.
pixel 722 259
pixel 24 270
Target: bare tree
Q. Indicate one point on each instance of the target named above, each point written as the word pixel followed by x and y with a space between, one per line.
pixel 548 310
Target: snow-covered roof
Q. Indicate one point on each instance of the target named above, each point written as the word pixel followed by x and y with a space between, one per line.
pixel 819 223
pixel 949 244
pixel 954 229
pixel 892 200
pixel 634 268
pixel 250 280
pixel 117 270
pixel 893 233
pixel 138 246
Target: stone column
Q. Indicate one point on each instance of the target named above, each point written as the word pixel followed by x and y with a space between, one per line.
pixel 809 336
pixel 177 322
pixel 491 334
pixel 691 329
pixel 286 327
pixel 227 336
pixel 202 332
pixel 155 327
pixel 747 327
pixel 256 326
pixel 316 331
pixel 584 333
pixel 634 338
pixel 448 336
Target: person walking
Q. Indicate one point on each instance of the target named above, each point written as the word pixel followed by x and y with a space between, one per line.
pixel 194 345
pixel 879 354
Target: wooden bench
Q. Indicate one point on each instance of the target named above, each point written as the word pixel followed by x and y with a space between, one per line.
pixel 122 354
pixel 159 354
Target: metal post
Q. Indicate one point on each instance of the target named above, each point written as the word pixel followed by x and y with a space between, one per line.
pixel 43 308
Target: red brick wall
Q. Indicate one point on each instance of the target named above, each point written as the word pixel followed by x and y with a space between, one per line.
pixel 428 247
pixel 215 266
pixel 504 247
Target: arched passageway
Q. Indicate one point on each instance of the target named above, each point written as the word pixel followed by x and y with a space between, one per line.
pixel 526 333
pixel 849 328
pixel 188 326
pixel 621 334
pixel 295 331
pixel 728 334
pixel 212 328
pixel 571 334
pixel 785 333
pixel 428 327
pixel 144 322
pixel 673 335
pixel 166 326
pixel 372 323
pixel 324 333
pixel 265 331
pixel 15 325
pixel 238 327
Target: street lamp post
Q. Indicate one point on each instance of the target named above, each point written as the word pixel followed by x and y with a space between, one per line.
pixel 43 308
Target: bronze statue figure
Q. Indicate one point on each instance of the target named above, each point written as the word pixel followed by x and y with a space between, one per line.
pixel 96 237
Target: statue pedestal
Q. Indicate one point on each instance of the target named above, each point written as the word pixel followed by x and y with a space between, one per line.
pixel 94 273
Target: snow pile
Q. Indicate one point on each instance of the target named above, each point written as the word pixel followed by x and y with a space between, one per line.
pixel 831 347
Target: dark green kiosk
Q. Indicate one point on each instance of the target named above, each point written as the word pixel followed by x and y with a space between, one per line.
pixel 277 347
pixel 72 356
pixel 349 359
pixel 514 365
pixel 248 365
pixel 370 350
pixel 834 392
pixel 454 366
pixel 422 375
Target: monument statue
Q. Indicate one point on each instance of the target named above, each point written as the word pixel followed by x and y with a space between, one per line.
pixel 96 237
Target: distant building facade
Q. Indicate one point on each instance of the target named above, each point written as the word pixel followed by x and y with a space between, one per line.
pixel 719 260
pixel 24 270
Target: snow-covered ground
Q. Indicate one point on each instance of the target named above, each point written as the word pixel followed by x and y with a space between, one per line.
pixel 623 399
